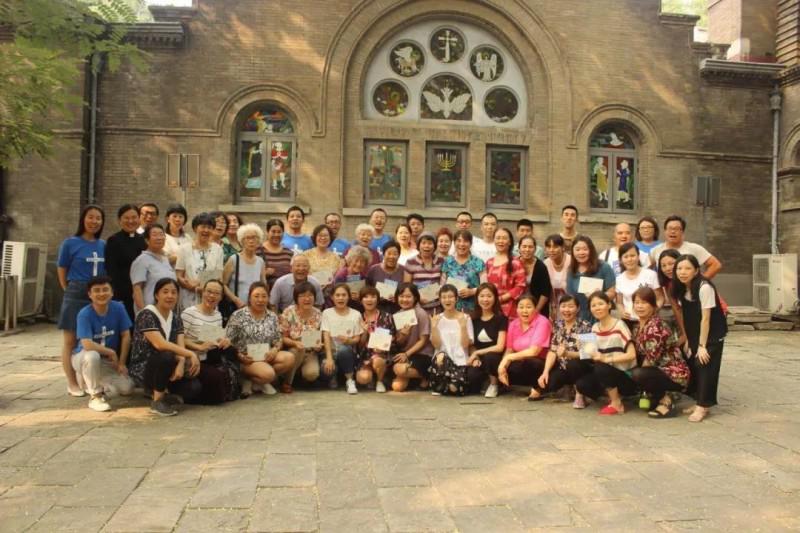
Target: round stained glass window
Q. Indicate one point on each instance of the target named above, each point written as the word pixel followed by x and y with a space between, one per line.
pixel 486 63
pixel 390 99
pixel 407 59
pixel 446 97
pixel 448 45
pixel 501 105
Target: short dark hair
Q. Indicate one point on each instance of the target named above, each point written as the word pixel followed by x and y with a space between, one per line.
pixel 673 218
pixel 528 223
pixel 568 298
pixel 391 243
pixel 319 229
pixel 97 280
pixel 554 239
pixel 256 285
pixel 415 216
pixel 369 290
pixel 177 208
pixel 160 284
pixel 528 238
pixel 464 213
pixel 645 294
pixel 82 223
pixel 624 249
pixel 203 219
pixel 378 210
pixel 219 214
pixel 124 208
pixel 489 214
pixel 463 234
pixel 332 213
pixel 149 229
pixel 569 206
pixel 148 204
pixel 274 222
pixel 407 286
pixel 302 288
pixel 296 208
pixel 650 220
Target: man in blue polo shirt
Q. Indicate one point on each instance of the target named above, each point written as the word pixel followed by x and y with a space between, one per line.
pixel 104 340
pixel 294 238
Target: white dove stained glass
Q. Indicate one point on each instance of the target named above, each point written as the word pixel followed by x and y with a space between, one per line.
pixel 446 97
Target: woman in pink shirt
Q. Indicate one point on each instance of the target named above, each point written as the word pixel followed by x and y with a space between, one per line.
pixel 526 346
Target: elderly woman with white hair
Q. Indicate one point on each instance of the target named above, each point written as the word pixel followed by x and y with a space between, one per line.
pixel 364 235
pixel 244 268
pixel 354 273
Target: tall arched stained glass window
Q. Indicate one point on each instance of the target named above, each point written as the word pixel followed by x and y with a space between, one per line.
pixel 266 155
pixel 613 169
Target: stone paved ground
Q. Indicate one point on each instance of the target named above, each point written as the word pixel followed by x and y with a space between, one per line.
pixel 326 461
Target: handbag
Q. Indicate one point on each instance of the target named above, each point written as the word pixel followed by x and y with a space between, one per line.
pixel 227 306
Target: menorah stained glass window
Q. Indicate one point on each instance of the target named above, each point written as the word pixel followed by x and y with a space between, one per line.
pixel 446 175
pixel 385 172
pixel 267 152
pixel 506 172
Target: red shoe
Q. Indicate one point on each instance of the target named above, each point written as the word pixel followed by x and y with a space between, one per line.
pixel 610 410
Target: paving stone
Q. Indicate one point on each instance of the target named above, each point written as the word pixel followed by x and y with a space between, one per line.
pixel 33 451
pixel 104 487
pixel 398 472
pixel 415 509
pixel 239 453
pixel 149 509
pixel 536 514
pixel 226 487
pixel 21 507
pixel 351 489
pixel 213 521
pixel 177 470
pixel 73 519
pixel 482 519
pixel 289 509
pixel 361 520
pixel 284 470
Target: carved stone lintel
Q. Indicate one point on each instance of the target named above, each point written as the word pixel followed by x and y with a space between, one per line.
pixel 739 74
pixel 157 34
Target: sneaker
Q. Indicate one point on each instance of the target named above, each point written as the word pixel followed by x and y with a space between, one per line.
pixel 247 388
pixel 173 399
pixel 333 383
pixel 78 393
pixel 351 386
pixel 580 402
pixel 99 404
pixel 491 391
pixel 380 387
pixel 162 408
pixel 269 390
pixel 435 393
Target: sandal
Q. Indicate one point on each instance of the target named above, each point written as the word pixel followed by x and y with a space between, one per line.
pixel 689 410
pixel 535 396
pixel 663 410
pixel 699 414
pixel 611 410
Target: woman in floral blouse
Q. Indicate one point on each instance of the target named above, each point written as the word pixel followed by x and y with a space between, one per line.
pixel 505 272
pixel 563 365
pixel 373 361
pixel 256 324
pixel 663 368
pixel 296 320
pixel 463 266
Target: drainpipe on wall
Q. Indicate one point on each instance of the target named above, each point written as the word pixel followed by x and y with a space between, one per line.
pixel 96 66
pixel 775 101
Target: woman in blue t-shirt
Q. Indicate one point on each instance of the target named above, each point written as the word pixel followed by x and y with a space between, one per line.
pixel 80 258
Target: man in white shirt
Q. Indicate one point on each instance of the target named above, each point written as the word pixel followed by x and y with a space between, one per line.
pixel 622 234
pixel 463 222
pixel 674 228
pixel 569 226
pixel 483 248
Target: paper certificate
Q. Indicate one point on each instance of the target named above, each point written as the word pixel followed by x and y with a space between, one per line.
pixel 380 339
pixel 207 275
pixel 356 285
pixel 210 333
pixel 386 290
pixel 405 318
pixel 311 337
pixel 587 344
pixel 258 352
pixel 341 327
pixel 323 277
pixel 458 283
pixel 429 293
pixel 588 285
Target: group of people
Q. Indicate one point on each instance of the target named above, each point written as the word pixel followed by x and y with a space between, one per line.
pixel 232 309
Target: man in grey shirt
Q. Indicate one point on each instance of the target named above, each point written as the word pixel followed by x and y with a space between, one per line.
pixel 674 228
pixel 282 294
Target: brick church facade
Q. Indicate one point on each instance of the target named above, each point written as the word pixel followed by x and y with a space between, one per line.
pixel 436 106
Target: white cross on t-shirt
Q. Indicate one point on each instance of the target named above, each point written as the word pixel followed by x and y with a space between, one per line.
pixel 105 332
pixel 96 260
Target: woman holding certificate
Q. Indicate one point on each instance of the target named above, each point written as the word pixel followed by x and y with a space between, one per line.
pixel 376 341
pixel 614 357
pixel 663 367
pixel 387 275
pixel 205 336
pixel 160 361
pixel 463 270
pixel 354 271
pixel 198 261
pixel 425 271
pixel 413 331
pixel 451 336
pixel 341 333
pixel 324 263
pixel 588 274
pixel 300 326
pixel 255 333
pixel 505 272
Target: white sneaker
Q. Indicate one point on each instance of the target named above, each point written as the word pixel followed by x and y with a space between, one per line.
pixel 99 404
pixel 269 390
pixel 351 386
pixel 491 391
pixel 435 393
pixel 380 387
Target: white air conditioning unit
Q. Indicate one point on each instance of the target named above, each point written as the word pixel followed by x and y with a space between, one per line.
pixel 775 283
pixel 27 261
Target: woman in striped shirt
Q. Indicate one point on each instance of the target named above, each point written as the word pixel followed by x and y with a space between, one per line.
pixel 425 269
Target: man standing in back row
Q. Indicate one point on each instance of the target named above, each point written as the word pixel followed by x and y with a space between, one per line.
pixel 674 228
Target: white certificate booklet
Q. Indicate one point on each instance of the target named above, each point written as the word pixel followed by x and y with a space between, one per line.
pixel 310 337
pixel 340 326
pixel 386 290
pixel 587 285
pixel 405 318
pixel 458 283
pixel 258 352
pixel 380 339
pixel 587 344
pixel 323 277
pixel 356 285
pixel 430 292
pixel 210 333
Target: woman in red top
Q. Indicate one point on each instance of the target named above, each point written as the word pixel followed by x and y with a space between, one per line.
pixel 505 272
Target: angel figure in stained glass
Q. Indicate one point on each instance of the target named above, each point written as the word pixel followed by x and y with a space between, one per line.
pixel 623 183
pixel 601 175
pixel 486 66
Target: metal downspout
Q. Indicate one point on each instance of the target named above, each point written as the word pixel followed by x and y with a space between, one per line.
pixel 775 102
